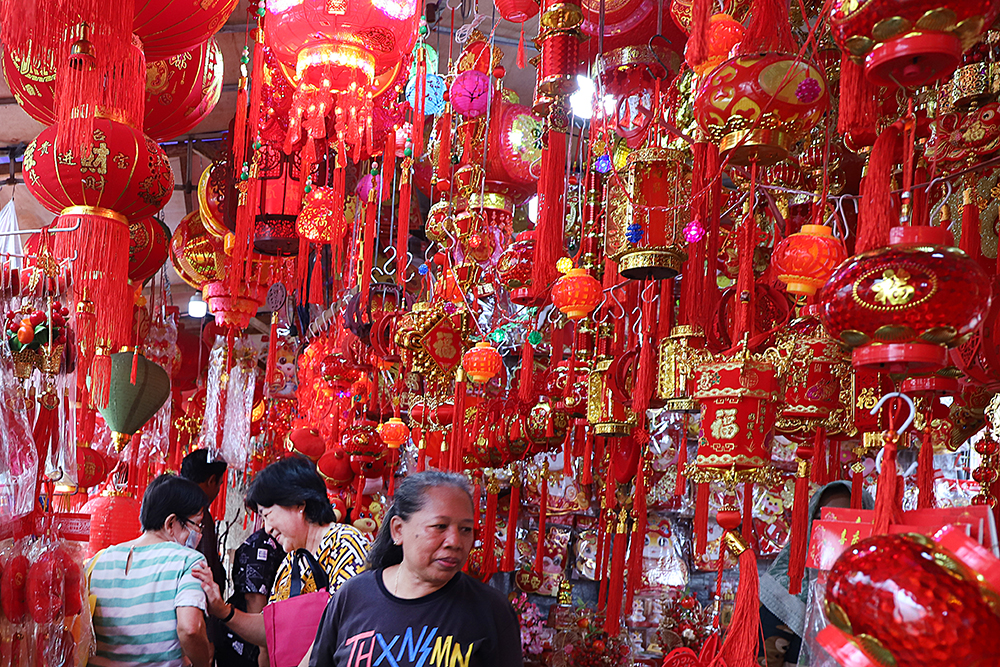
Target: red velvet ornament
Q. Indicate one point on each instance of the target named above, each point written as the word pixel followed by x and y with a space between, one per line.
pixel 514 268
pixel 46 587
pixel 482 362
pixel 917 600
pixel 13 586
pixel 335 468
pixel 149 239
pixel 182 91
pixel 576 294
pixel 306 442
pixel 900 306
pixel 170 27
pixel 805 260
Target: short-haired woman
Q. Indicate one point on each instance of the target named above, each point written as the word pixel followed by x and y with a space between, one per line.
pixel 415 605
pixel 149 606
pixel 291 498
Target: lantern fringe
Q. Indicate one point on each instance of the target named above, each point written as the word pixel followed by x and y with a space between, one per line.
pixel 800 524
pixel 507 563
pixel 366 261
pixel 543 502
pixel 444 152
pixel 820 473
pixel 925 471
pixel 878 211
pixel 549 243
pixel 316 279
pixel 768 29
pixel 887 508
pixel 100 380
pixel 638 542
pixel 739 649
pixel 858 109
pixel 526 387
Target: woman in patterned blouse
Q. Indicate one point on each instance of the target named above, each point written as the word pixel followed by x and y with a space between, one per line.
pixel 291 498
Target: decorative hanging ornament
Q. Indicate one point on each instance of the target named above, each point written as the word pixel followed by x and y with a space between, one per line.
pixel 806 259
pixel 138 389
pixel 482 362
pixel 394 433
pixel 576 294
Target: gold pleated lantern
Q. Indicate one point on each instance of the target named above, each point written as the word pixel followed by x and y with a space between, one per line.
pixel 646 227
pixel 609 416
pixel 679 354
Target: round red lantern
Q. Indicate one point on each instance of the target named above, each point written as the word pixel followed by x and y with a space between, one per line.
pixel 194 253
pixel 979 357
pixel 306 442
pixel 482 362
pixel 212 198
pixel 806 260
pixel 394 433
pixel 739 405
pixel 366 449
pixel 913 601
pixel 576 294
pixel 901 306
pixel 909 43
pixel 517 11
pixel 757 107
pixel 113 520
pixel 148 240
pixel 181 91
pixel 33 89
pixel 92 467
pixel 318 221
pixel 514 268
pixel 171 27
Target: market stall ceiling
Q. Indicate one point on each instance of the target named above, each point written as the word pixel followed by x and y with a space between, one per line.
pixel 18 129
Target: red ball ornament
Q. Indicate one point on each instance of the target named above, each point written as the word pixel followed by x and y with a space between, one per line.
pixel 335 468
pixel 182 91
pixel 805 260
pixel 901 307
pixel 514 268
pixel 170 27
pixel 306 442
pixel 576 294
pixel 482 362
pixel 394 433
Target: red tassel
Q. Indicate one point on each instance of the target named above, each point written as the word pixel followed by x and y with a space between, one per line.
pixel 549 242
pixel 444 148
pixel 543 502
pixel 388 166
pixel 925 471
pixel 526 388
pixel 696 52
pixel 568 451
pixel 403 225
pixel 887 510
pixel 507 565
pixel 520 49
pixel 638 542
pixel 878 211
pixel 800 524
pixel 768 29
pixel 746 244
pixel 613 608
pixel 747 529
pixel 458 424
pixel 368 247
pixel 100 380
pixel 860 99
pixel 587 474
pixel 272 352
pixel 857 485
pixel 740 646
pixel 971 242
pixel 490 532
pixel 135 366
pixel 647 366
pixel 316 280
pixel 418 106
pixel 819 471
pixel 701 518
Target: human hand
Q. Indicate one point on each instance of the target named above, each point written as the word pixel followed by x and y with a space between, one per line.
pixel 217 607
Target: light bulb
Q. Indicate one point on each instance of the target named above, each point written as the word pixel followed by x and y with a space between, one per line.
pixel 196 307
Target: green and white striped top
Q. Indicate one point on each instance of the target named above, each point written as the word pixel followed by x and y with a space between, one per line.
pixel 135 620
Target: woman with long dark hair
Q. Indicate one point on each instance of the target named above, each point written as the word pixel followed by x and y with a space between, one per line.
pixel 414 605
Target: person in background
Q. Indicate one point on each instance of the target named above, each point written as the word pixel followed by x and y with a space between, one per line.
pixel 415 602
pixel 291 498
pixel 209 474
pixel 149 607
pixel 254 567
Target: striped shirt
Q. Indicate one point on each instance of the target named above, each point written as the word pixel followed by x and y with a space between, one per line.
pixel 135 619
pixel 342 551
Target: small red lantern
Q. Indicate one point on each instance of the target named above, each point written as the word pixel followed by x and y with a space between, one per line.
pixel 318 219
pixel 482 362
pixel 756 107
pixel 739 405
pixel 901 306
pixel 233 310
pixel 807 259
pixel 148 240
pixel 306 442
pixel 394 433
pixel 366 449
pixel 576 294
pixel 514 268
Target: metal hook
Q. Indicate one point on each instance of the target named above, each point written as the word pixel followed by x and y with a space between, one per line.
pixel 51 230
pixel 936 211
pixel 906 399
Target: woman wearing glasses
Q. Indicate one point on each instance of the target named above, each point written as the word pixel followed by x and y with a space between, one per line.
pixel 147 604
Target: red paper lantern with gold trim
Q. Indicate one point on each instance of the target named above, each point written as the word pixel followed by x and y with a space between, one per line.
pixel 181 91
pixel 169 27
pixel 394 433
pixel 806 260
pixel 576 294
pixel 149 240
pixel 482 362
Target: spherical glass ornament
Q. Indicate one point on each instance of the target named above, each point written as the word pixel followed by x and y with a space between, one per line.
pixel 434 97
pixel 805 260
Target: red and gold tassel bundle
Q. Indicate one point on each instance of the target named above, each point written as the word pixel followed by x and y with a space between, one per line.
pixel 613 607
pixel 543 508
pixel 739 649
pixel 507 564
pixel 925 470
pixel 799 539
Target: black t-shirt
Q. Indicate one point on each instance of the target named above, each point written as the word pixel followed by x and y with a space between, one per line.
pixel 464 623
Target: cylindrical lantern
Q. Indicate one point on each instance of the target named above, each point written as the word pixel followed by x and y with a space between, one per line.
pixel 608 415
pixel 818 368
pixel 113 520
pixel 679 354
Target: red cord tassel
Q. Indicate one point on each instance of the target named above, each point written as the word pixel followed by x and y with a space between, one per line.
pixel 368 247
pixel 490 532
pixel 887 510
pixel 403 224
pixel 135 366
pixel 507 564
pixel 543 502
pixel 444 148
pixel 697 45
pixel 316 279
pixel 819 470
pixel 549 242
pixel 768 29
pixel 747 529
pixel 800 524
pixel 701 518
pixel 613 608
pixel 638 542
pixel 647 366
pixel 587 472
pixel 272 352
pixel 457 425
pixel 971 241
pixel 860 99
pixel 680 485
pixel 526 388
pixel 925 471
pixel 520 49
pixel 878 211
pixel 743 636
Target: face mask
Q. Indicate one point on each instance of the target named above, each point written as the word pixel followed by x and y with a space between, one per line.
pixel 193 539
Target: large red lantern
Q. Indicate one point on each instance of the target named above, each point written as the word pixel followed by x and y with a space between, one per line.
pixel 33 88
pixel 909 43
pixel 805 260
pixel 756 107
pixel 113 520
pixel 170 27
pixel 181 91
pixel 901 307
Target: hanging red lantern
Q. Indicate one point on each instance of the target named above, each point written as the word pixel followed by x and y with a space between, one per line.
pixel 113 520
pixel 92 468
pixel 394 433
pixel 317 221
pixel 517 11
pixel 901 307
pixel 817 365
pixel 234 310
pixel 482 362
pixel 724 33
pixel 149 239
pixel 195 253
pixel 576 294
pixel 171 27
pixel 907 43
pixel 755 108
pixel 806 259
pixel 514 268
pixel 33 88
pixel 182 91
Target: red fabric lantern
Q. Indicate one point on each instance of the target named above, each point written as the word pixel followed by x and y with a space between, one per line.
pixel 901 306
pixel 181 91
pixel 909 43
pixel 317 221
pixel 517 11
pixel 149 239
pixel 744 92
pixel 92 468
pixel 805 260
pixel 34 89
pixel 171 27
pixel 482 362
pixel 113 520
pixel 514 268
pixel 739 405
pixel 576 294
pixel 394 433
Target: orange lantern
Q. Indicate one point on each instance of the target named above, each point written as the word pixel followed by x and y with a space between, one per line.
pixel 482 362
pixel 806 260
pixel 394 433
pixel 576 294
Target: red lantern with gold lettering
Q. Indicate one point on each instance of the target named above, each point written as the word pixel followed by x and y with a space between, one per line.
pixel 149 239
pixel 181 91
pixel 170 27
